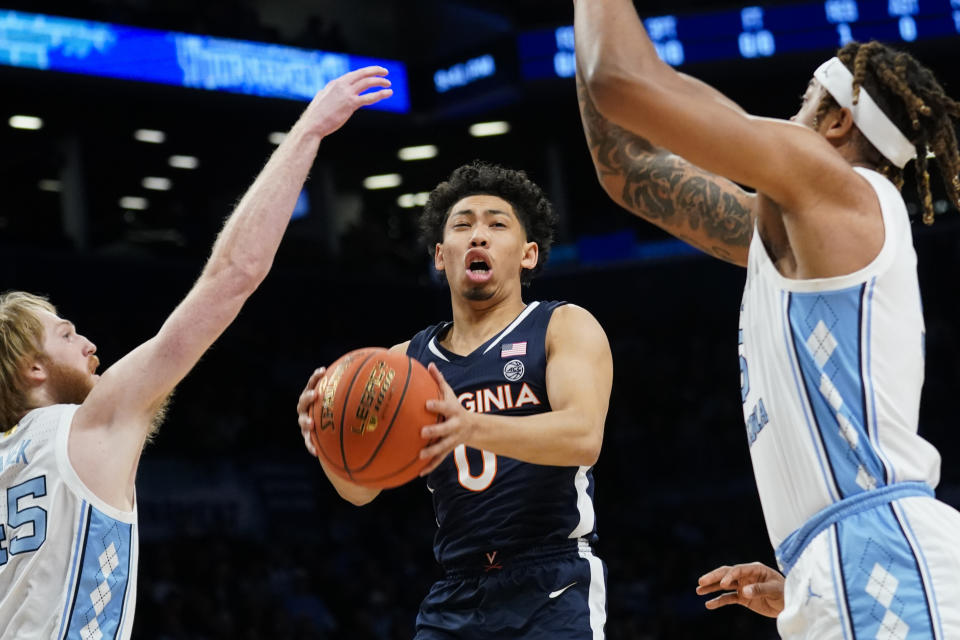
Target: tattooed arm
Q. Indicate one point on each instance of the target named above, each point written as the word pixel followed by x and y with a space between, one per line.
pixel 702 209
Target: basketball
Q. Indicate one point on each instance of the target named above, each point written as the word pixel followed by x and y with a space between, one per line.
pixel 370 406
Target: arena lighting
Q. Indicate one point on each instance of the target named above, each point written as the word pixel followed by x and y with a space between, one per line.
pixel 150 135
pixel 483 129
pixel 422 152
pixel 276 137
pixel 155 183
pixel 411 200
pixel 134 202
pixel 53 186
pixel 385 181
pixel 26 122
pixel 183 162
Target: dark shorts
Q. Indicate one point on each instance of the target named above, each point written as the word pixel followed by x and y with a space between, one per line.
pixel 552 597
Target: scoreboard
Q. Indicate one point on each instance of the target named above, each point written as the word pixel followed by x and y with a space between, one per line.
pixel 758 32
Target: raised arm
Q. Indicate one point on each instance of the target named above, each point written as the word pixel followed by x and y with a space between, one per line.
pixel 632 87
pixel 111 426
pixel 579 377
pixel 706 211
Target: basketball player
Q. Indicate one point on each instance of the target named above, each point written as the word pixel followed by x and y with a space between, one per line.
pixel 72 440
pixel 529 385
pixel 831 327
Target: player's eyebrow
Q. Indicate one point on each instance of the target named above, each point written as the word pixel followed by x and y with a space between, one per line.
pixel 469 212
pixel 67 323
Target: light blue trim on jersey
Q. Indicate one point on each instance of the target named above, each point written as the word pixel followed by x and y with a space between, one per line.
pixel 884 587
pixel 873 427
pixel 828 480
pixel 924 570
pixel 75 561
pixel 793 545
pixel 104 571
pixel 826 328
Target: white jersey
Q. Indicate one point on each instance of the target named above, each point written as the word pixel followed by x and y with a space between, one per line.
pixel 831 372
pixel 68 561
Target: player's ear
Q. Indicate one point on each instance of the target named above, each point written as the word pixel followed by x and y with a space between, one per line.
pixel 37 371
pixel 839 124
pixel 531 253
pixel 438 257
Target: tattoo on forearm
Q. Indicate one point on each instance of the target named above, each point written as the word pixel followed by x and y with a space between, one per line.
pixel 663 187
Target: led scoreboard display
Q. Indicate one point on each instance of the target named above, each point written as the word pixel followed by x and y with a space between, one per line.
pixel 53 43
pixel 758 32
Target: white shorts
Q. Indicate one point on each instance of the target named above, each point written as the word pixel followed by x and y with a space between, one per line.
pixel 890 572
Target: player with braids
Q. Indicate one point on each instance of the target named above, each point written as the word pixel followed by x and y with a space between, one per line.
pixel 916 104
pixel 832 339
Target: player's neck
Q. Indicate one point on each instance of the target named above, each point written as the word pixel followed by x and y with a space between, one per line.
pixel 475 322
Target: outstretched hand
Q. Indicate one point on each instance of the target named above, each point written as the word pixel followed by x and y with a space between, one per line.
pixel 303 409
pixel 754 586
pixel 455 429
pixel 336 102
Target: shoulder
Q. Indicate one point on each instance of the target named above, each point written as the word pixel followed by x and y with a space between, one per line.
pixel 566 314
pixel 418 342
pixel 570 322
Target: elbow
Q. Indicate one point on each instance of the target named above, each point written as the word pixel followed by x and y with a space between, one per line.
pixel 357 496
pixel 589 450
pixel 236 277
pixel 624 95
pixel 606 86
pixel 357 501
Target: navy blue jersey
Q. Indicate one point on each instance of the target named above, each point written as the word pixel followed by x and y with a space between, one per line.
pixel 488 504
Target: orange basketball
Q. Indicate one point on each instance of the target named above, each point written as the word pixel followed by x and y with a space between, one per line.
pixel 367 416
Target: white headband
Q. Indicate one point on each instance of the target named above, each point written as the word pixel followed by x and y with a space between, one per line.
pixel 872 122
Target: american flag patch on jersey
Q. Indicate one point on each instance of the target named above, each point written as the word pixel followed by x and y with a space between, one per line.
pixel 513 349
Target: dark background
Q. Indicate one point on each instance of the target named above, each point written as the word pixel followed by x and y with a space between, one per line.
pixel 242 535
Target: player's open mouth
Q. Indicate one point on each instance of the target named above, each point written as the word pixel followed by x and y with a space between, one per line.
pixel 479 271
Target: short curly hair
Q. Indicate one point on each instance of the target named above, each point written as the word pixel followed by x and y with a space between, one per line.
pixel 531 205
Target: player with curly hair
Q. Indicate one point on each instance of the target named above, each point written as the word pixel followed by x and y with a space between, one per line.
pixel 526 388
pixel 832 337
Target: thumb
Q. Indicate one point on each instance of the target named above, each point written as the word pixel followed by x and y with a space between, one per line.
pixel 760 589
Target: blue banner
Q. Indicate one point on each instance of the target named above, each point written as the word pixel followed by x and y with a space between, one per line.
pixel 166 57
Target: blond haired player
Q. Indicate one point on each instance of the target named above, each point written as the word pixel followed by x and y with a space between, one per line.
pixel 72 440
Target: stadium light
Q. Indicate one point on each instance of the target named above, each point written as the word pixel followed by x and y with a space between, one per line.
pixel 422 152
pixel 483 129
pixel 26 122
pixel 152 136
pixel 385 181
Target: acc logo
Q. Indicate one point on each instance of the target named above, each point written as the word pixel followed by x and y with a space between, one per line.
pixel 513 370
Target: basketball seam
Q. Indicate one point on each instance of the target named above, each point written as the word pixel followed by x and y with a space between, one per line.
pixel 416 458
pixel 343 413
pixel 316 443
